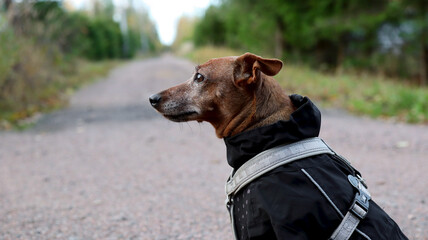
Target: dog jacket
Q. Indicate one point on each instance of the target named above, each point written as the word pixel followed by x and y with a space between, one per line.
pixel 299 200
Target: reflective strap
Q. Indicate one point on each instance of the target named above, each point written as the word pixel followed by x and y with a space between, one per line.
pixel 356 213
pixel 346 227
pixel 356 208
pixel 273 158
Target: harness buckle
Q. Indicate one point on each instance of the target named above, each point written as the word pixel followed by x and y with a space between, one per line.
pixel 362 180
pixel 360 205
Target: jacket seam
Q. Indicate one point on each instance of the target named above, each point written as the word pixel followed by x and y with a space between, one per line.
pixel 330 201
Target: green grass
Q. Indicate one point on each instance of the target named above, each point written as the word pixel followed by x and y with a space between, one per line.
pixel 369 95
pixel 362 94
pixel 204 54
pixel 54 95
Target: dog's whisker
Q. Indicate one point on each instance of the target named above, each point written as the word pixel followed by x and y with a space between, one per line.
pixel 200 127
pixel 191 129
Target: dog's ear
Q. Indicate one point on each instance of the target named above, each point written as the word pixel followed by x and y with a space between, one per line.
pixel 248 67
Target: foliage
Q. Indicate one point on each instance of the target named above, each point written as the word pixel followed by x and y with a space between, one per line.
pixel 34 79
pixel 45 51
pixel 95 38
pixel 105 40
pixel 185 32
pixel 212 26
pixel 388 37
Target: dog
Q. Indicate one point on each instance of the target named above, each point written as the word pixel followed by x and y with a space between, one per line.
pixel 305 199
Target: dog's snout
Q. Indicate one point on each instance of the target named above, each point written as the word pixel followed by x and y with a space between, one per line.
pixel 155 99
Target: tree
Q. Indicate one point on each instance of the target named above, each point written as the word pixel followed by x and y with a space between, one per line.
pixel 211 29
pixel 419 14
pixel 185 31
pixel 6 4
pixel 327 34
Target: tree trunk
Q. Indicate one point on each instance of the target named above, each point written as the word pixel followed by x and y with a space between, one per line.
pixel 423 7
pixel 7 4
pixel 424 64
pixel 279 39
pixel 341 46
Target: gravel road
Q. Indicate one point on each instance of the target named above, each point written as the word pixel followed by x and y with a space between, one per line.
pixel 110 167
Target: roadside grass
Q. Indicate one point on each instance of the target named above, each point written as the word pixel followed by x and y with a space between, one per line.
pixel 362 94
pixel 48 97
pixel 204 54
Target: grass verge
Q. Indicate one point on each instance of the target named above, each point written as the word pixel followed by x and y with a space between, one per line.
pixel 52 96
pixel 362 94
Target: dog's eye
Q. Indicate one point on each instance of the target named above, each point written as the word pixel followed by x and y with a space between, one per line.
pixel 199 78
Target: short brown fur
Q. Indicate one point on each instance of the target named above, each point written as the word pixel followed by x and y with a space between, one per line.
pixel 235 94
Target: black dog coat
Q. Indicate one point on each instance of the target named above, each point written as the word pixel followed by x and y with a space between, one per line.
pixel 289 202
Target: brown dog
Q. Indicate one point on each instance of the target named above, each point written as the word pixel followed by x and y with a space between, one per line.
pixel 318 197
pixel 234 94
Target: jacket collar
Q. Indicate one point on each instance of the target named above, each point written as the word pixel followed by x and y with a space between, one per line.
pixel 304 123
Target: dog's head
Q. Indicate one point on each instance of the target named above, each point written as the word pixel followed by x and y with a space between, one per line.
pixel 217 91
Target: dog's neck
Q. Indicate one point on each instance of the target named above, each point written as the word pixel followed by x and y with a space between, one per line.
pixel 268 105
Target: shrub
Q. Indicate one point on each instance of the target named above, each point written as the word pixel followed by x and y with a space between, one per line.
pixel 41 46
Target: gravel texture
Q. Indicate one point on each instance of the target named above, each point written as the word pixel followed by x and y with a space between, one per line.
pixel 110 167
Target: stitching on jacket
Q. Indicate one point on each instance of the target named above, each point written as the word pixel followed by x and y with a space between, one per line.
pixel 329 200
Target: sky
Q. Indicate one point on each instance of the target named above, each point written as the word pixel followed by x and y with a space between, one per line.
pixel 165 13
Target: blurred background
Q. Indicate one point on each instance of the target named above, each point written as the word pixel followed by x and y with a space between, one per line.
pixel 97 162
pixel 49 48
pixel 373 52
pixel 369 57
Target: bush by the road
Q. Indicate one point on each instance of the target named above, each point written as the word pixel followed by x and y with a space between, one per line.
pixel 42 49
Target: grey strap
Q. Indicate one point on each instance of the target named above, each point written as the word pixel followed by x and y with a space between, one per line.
pixel 273 158
pixel 356 213
pixel 281 155
pixel 346 227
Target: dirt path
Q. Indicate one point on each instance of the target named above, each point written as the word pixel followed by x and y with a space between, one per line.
pixel 109 167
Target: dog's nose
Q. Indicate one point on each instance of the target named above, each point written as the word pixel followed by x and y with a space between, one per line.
pixel 155 99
